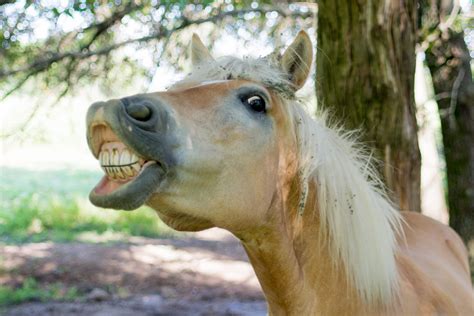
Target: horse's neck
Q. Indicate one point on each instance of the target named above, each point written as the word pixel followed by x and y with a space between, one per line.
pixel 278 270
pixel 294 265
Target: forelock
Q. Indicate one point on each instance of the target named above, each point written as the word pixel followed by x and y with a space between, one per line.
pixel 260 70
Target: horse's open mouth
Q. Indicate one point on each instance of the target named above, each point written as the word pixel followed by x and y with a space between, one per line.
pixel 129 179
pixel 120 165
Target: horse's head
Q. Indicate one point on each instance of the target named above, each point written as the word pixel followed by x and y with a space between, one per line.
pixel 213 150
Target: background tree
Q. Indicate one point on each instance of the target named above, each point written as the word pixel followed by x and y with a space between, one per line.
pixel 448 59
pixel 371 85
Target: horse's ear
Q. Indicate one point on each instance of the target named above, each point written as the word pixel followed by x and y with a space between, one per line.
pixel 199 52
pixel 296 60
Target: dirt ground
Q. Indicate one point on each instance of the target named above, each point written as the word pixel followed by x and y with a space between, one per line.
pixel 205 273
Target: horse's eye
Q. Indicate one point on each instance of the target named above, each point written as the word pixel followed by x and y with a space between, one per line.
pixel 256 103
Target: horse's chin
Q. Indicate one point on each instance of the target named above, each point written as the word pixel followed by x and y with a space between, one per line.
pixel 128 194
pixel 177 220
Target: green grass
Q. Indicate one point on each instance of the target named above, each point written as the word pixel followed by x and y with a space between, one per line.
pixel 53 205
pixel 31 291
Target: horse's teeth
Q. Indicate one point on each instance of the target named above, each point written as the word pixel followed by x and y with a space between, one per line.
pixel 136 167
pixel 112 172
pixel 115 157
pixel 118 162
pixel 119 173
pixel 128 171
pixel 125 158
pixel 105 158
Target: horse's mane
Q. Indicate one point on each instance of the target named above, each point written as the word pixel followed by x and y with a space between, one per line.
pixel 354 210
pixel 353 207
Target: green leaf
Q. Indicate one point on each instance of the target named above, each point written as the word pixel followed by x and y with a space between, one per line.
pixel 68 11
pixel 56 12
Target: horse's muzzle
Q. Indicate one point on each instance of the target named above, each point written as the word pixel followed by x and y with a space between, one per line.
pixel 133 139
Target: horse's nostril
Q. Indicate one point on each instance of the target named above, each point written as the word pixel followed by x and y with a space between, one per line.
pixel 139 112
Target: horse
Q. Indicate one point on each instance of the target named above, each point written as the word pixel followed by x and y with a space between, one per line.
pixel 231 146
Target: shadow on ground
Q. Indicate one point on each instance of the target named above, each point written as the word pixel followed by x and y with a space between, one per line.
pixel 201 274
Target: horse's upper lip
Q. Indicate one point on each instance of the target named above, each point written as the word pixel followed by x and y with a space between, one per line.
pixel 100 133
pixel 109 122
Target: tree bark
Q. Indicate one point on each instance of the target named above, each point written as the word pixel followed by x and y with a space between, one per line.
pixel 365 77
pixel 448 59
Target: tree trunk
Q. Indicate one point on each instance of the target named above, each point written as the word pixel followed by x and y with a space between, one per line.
pixel 448 59
pixel 365 77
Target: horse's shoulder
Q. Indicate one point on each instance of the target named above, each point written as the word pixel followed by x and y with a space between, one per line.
pixel 433 264
pixel 423 230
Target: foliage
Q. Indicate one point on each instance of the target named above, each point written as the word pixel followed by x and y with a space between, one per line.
pixel 52 205
pixel 31 291
pixel 69 43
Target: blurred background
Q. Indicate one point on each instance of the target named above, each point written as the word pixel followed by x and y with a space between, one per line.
pixel 60 254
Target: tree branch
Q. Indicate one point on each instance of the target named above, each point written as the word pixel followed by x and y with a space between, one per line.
pixel 3 2
pixel 43 64
pixel 20 83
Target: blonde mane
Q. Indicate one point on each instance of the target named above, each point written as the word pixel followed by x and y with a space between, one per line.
pixel 354 210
